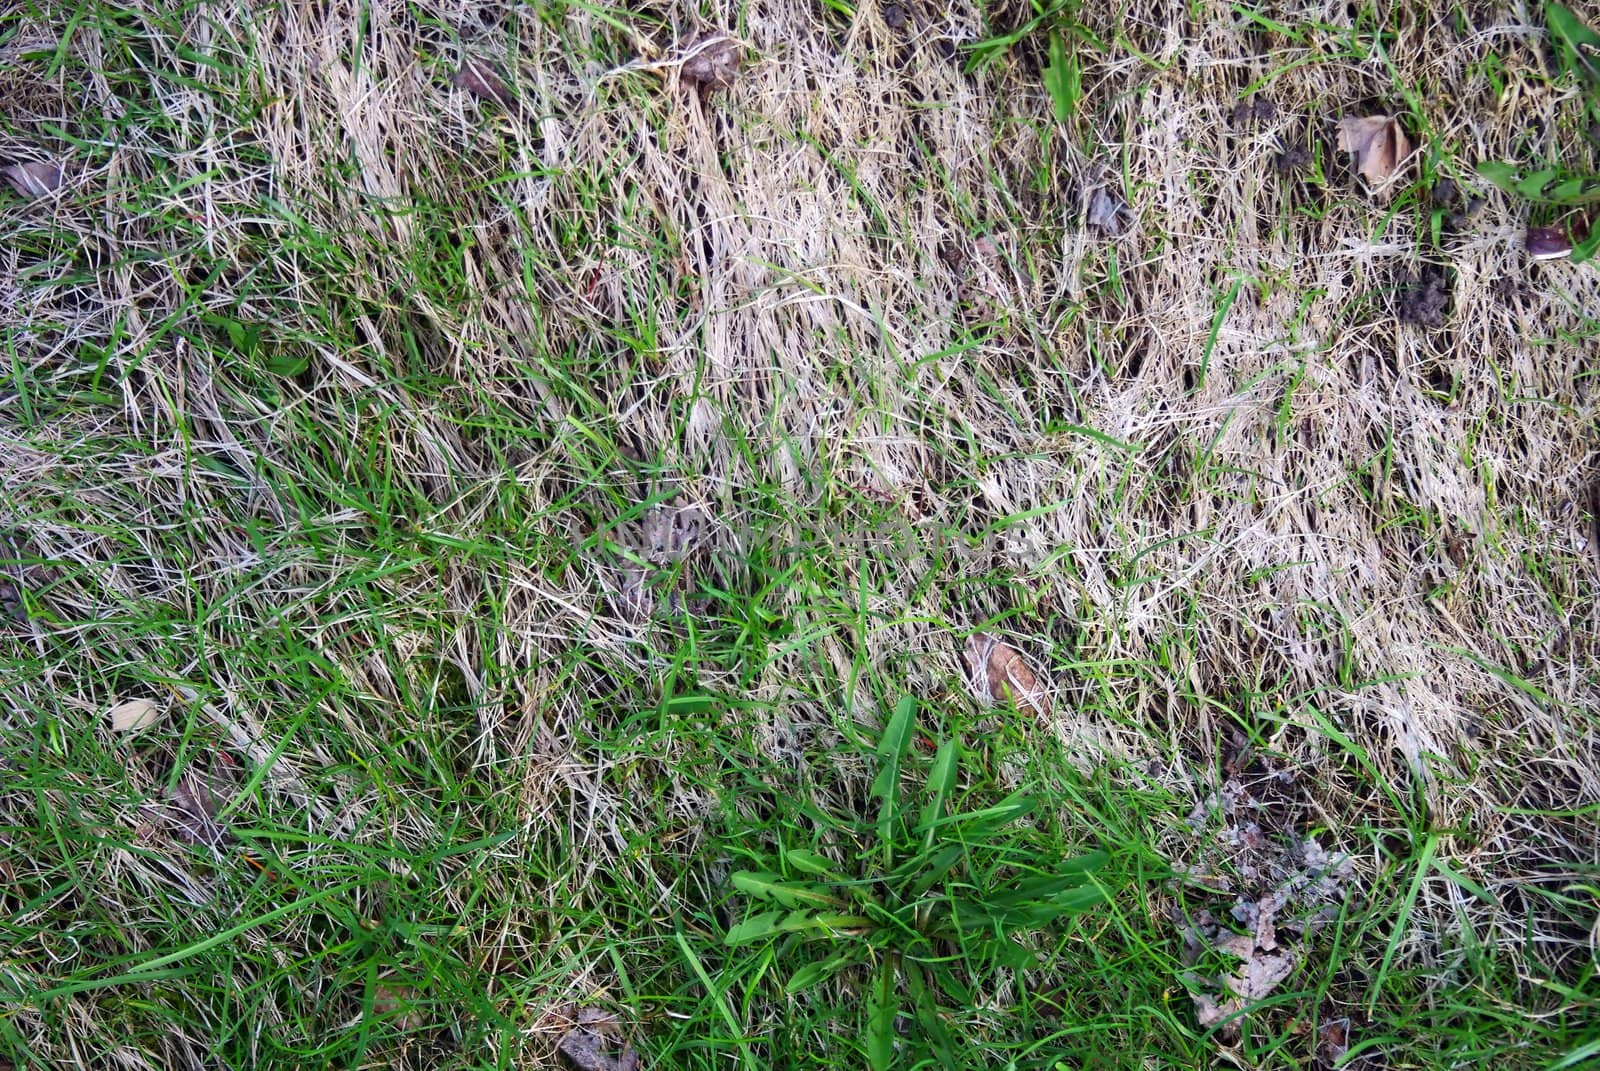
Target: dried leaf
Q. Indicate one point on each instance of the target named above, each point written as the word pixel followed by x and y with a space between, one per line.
pixel 997 673
pixel 1208 1012
pixel 671 533
pixel 595 1043
pixel 633 599
pixel 1333 1041
pixel 1378 143
pixel 1261 974
pixel 133 714
pixel 1105 211
pixel 192 813
pixel 479 78
pixel 34 178
pixel 712 60
pixel 402 1003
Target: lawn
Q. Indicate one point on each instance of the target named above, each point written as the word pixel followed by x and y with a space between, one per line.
pixel 799 535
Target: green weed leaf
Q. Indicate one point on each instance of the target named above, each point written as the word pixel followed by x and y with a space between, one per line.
pixel 881 1007
pixel 892 748
pixel 1586 249
pixel 1552 185
pixel 1063 79
pixel 764 885
pixel 941 781
pixel 817 971
pixel 753 928
pixel 1576 44
pixel 922 999
pixel 809 862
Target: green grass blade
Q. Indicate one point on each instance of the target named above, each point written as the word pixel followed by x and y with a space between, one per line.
pixel 1424 865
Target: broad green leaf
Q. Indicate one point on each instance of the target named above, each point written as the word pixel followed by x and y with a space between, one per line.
pixel 928 1015
pixel 287 365
pixel 941 780
pixel 801 920
pixel 974 826
pixel 1013 956
pixel 1550 186
pixel 753 928
pixel 1576 44
pixel 1069 875
pixel 881 1007
pixel 809 862
pixel 768 886
pixel 1063 79
pixel 1588 248
pixel 1074 901
pixel 886 786
pixel 937 866
pixel 817 971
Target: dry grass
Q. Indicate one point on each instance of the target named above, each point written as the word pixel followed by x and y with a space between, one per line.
pixel 1201 472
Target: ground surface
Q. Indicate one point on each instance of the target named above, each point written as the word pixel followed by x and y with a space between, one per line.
pixel 520 479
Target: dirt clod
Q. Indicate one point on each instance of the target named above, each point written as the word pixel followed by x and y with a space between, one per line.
pixel 1424 300
pixel 712 60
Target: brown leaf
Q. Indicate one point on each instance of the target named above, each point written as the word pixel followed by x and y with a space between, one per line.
pixel 192 812
pixel 595 1043
pixel 1333 1041
pixel 131 715
pixel 1378 143
pixel 1105 211
pixel 34 178
pixel 1261 974
pixel 402 1003
pixel 997 673
pixel 1208 1012
pixel 712 60
pixel 479 78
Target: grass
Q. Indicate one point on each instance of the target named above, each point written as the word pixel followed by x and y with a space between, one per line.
pixel 356 422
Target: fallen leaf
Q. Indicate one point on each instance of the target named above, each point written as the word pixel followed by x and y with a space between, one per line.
pixel 1260 974
pixel 34 178
pixel 671 533
pixel 711 60
pixel 1378 143
pixel 133 714
pixel 1106 208
pixel 1547 243
pixel 402 1003
pixel 633 599
pixel 1333 1041
pixel 479 78
pixel 192 812
pixel 595 1043
pixel 997 673
pixel 1208 1012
